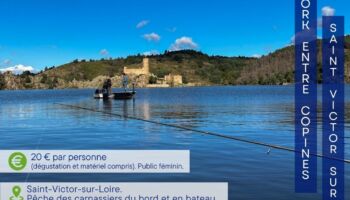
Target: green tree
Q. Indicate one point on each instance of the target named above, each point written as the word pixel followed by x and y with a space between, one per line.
pixel 2 82
pixel 55 82
pixel 28 79
pixel 52 83
pixel 44 79
pixel 26 74
pixel 152 80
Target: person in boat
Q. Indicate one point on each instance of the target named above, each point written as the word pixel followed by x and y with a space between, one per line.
pixel 125 81
pixel 107 86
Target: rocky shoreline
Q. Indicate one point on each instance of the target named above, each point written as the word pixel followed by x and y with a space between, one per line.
pixel 42 81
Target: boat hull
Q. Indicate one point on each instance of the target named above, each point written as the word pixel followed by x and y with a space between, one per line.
pixel 123 95
pixel 103 96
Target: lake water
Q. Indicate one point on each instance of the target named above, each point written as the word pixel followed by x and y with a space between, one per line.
pixel 33 120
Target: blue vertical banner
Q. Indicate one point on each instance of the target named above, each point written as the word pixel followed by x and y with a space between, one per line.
pixel 305 96
pixel 333 108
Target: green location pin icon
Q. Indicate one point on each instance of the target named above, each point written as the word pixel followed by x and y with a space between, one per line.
pixel 16 191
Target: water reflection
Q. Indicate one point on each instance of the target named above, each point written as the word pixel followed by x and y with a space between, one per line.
pixel 264 114
pixel 123 108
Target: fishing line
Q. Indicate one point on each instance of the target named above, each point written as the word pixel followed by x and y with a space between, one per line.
pixel 270 146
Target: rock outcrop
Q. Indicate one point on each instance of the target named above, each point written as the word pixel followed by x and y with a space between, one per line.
pixel 18 82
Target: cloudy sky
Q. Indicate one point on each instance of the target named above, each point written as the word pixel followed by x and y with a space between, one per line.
pixel 39 33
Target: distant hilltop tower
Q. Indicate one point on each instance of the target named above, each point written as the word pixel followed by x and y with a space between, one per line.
pixel 139 71
pixel 145 63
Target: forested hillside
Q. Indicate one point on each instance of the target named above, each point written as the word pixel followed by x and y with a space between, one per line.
pixel 195 67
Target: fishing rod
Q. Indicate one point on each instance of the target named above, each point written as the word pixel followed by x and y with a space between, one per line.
pixel 270 146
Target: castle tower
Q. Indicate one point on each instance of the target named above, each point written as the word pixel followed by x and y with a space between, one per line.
pixel 146 65
pixel 144 70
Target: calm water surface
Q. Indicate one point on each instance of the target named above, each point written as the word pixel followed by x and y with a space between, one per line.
pixel 33 120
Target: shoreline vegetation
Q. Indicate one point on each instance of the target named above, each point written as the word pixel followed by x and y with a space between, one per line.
pixel 195 68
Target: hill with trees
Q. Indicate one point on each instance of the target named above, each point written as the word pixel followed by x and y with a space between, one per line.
pixel 196 67
pixel 278 67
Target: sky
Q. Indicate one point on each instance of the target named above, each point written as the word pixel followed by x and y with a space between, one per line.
pixel 39 33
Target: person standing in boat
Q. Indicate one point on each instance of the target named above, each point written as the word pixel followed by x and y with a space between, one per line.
pixel 107 86
pixel 125 81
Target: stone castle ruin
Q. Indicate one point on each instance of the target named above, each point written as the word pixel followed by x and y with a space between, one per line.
pixel 141 76
pixel 173 80
pixel 144 70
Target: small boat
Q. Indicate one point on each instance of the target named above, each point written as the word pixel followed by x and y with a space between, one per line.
pixel 106 92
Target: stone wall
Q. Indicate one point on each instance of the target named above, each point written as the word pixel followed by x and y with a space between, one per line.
pixel 173 80
pixel 144 70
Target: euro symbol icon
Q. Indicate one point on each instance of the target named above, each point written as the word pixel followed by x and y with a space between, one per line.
pixel 17 161
pixel 47 157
